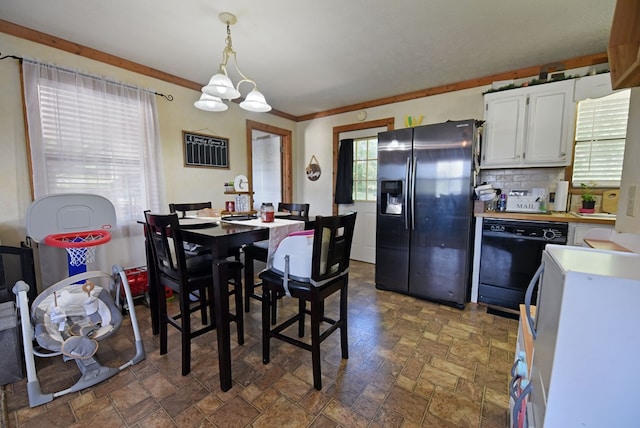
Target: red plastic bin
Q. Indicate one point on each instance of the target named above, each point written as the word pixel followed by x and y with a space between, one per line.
pixel 138 279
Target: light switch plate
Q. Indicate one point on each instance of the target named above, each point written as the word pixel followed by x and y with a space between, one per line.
pixel 631 200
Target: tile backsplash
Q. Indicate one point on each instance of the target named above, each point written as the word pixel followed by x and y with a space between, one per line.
pixel 530 178
pixel 522 178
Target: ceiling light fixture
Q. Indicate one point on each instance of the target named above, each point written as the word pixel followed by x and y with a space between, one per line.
pixel 221 87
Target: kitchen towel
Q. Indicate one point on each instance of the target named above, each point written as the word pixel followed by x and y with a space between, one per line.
pixel 562 193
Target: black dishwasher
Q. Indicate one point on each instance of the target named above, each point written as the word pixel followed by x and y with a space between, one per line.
pixel 510 254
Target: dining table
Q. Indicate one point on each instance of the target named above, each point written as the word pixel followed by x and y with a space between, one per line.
pixel 223 239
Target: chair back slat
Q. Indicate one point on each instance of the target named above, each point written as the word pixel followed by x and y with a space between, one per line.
pixel 163 231
pixel 184 208
pixel 332 246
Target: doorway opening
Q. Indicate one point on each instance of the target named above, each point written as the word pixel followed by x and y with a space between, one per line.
pixel 269 159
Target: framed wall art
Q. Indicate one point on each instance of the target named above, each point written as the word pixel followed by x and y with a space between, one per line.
pixel 207 151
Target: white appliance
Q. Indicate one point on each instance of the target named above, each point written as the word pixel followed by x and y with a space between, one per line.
pixel 587 339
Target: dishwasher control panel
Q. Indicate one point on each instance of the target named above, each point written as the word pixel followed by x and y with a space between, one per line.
pixel 553 232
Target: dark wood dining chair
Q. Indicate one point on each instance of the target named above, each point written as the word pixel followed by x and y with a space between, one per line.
pixel 186 276
pixel 259 251
pixel 298 211
pixel 329 274
pixel 192 207
pixel 188 207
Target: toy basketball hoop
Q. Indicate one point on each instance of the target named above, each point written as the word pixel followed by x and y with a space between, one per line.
pixel 80 246
pixel 77 222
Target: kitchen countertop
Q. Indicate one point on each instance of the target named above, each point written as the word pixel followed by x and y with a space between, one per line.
pixel 559 217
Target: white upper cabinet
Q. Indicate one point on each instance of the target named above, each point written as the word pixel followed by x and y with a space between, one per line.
pixel 530 126
pixel 595 86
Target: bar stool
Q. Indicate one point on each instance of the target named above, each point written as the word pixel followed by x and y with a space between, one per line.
pixel 186 276
pixel 329 274
pixel 259 251
pixel 188 207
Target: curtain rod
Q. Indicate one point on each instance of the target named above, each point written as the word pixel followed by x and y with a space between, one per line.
pixel 168 97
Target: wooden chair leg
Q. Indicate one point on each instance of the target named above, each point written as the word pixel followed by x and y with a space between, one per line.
pixel 237 294
pixel 249 281
pixel 211 304
pixel 185 331
pixel 162 317
pixel 302 307
pixel 316 320
pixel 202 301
pixel 274 307
pixel 266 326
pixel 344 345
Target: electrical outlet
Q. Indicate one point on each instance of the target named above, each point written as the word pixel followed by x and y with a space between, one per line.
pixel 631 200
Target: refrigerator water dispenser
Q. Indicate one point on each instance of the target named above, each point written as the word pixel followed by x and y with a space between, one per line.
pixel 392 197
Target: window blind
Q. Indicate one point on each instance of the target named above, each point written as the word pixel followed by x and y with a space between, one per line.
pixel 601 129
pixel 93 144
pixel 91 135
pixel 89 143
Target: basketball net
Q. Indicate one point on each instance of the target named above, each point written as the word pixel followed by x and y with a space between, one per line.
pixel 79 256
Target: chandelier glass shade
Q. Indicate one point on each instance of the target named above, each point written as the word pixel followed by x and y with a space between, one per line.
pixel 254 101
pixel 210 103
pixel 220 86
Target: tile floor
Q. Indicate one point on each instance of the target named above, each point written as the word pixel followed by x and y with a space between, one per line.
pixel 412 363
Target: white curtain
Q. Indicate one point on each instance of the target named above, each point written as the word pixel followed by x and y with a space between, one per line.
pixel 91 135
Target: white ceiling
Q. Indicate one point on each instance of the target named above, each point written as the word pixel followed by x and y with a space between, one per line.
pixel 312 56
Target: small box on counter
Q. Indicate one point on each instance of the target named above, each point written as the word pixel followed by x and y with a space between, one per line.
pixel 524 204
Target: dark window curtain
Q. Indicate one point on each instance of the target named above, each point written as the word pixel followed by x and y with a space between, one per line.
pixel 344 178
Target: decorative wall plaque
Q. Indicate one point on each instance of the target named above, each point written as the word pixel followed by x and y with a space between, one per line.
pixel 313 169
pixel 205 150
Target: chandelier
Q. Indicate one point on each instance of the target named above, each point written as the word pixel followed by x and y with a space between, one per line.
pixel 221 87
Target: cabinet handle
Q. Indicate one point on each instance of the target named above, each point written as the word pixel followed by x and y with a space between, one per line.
pixel 563 154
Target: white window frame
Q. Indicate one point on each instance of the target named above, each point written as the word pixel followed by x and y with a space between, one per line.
pixel 600 136
pixel 371 184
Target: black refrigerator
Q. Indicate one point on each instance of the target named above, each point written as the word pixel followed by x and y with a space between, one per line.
pixel 425 211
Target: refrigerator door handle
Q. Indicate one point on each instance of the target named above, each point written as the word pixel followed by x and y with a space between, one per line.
pixel 407 174
pixel 413 193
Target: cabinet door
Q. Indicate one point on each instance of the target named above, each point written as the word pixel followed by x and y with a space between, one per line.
pixel 551 113
pixel 504 130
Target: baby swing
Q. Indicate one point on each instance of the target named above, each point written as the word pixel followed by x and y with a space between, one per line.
pixel 71 316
